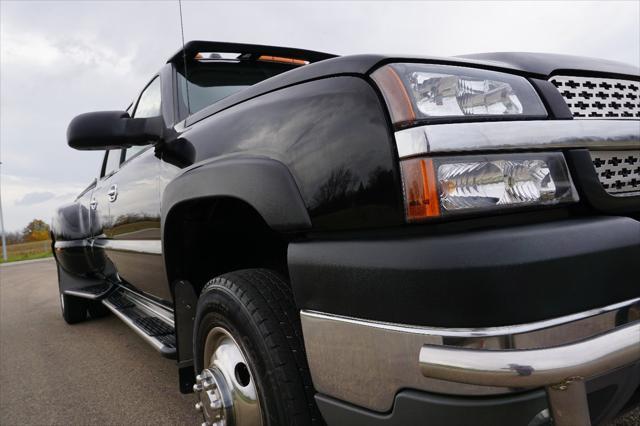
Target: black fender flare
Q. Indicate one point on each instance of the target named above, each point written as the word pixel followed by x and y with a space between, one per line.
pixel 264 183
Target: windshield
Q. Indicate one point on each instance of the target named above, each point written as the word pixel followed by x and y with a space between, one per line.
pixel 210 82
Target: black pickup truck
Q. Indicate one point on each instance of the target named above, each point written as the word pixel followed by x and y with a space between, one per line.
pixel 368 239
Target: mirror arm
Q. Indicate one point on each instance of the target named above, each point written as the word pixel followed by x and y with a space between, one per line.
pixel 140 131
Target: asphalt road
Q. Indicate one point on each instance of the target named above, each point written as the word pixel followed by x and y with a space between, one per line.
pixel 96 372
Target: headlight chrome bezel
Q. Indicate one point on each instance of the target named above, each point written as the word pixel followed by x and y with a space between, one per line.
pixel 418 93
pixel 432 189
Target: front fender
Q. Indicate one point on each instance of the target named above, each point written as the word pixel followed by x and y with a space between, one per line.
pixel 263 183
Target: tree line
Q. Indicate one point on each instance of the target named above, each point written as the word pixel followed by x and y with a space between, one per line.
pixel 36 230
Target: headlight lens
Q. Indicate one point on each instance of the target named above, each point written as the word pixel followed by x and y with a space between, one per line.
pixel 415 92
pixel 444 186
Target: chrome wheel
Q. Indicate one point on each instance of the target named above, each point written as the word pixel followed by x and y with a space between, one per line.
pixel 226 389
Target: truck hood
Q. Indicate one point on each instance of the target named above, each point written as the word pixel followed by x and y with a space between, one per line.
pixel 549 63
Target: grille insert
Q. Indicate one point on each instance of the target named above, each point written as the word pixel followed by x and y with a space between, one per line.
pixel 618 171
pixel 600 98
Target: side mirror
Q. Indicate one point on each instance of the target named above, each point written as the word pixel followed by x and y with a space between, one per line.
pixel 112 130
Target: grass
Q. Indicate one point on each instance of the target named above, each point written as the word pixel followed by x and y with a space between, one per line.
pixel 27 251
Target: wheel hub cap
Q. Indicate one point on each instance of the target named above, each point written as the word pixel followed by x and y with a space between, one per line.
pixel 226 390
pixel 214 398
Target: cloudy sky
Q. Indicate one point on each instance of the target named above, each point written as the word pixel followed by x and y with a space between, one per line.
pixel 59 59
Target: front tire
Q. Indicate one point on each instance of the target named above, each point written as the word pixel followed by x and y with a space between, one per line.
pixel 254 309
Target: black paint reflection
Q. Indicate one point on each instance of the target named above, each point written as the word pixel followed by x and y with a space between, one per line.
pixel 135 214
pixel 332 135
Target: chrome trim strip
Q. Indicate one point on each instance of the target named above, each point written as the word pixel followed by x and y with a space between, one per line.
pixel 533 367
pixel 64 244
pixel 131 246
pixel 510 330
pixel 343 351
pixel 518 135
pixel 412 141
pixel 84 295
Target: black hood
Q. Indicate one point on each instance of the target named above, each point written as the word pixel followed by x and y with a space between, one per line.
pixel 548 63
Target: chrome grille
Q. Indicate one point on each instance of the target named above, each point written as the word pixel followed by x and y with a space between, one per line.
pixel 600 98
pixel 618 171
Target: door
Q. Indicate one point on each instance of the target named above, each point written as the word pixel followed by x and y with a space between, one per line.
pixel 131 220
pixel 100 213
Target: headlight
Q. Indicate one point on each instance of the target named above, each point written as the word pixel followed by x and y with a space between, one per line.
pixel 415 92
pixel 443 186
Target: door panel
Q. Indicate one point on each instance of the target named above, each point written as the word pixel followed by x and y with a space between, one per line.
pixel 132 232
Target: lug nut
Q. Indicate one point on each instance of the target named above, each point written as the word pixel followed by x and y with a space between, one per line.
pixel 197 387
pixel 199 406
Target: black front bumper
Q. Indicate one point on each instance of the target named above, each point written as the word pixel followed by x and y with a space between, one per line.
pixel 483 278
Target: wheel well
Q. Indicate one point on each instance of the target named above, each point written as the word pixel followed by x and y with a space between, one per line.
pixel 207 237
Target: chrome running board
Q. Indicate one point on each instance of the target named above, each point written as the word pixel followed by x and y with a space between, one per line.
pixel 150 320
pixel 93 292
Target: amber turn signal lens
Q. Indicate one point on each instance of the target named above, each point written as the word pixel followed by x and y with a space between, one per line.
pixel 420 189
pixel 395 94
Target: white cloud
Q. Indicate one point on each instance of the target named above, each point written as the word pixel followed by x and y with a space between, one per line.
pixel 28 50
pixel 37 197
pixel 62 55
pixel 62 58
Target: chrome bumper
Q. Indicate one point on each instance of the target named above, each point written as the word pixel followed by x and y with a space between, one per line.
pixel 561 369
pixel 367 363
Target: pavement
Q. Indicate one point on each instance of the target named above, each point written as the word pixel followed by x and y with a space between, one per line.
pixel 95 372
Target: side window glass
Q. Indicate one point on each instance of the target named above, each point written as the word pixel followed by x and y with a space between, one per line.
pixel 112 162
pixel 149 103
pixel 132 151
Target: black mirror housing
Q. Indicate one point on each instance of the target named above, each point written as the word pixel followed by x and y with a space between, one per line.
pixel 112 130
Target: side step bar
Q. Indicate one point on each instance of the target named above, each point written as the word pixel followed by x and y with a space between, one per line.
pixel 93 292
pixel 149 320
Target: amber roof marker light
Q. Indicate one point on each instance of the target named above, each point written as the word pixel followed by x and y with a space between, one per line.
pixel 282 60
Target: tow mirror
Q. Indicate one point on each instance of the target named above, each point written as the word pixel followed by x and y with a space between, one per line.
pixel 111 130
